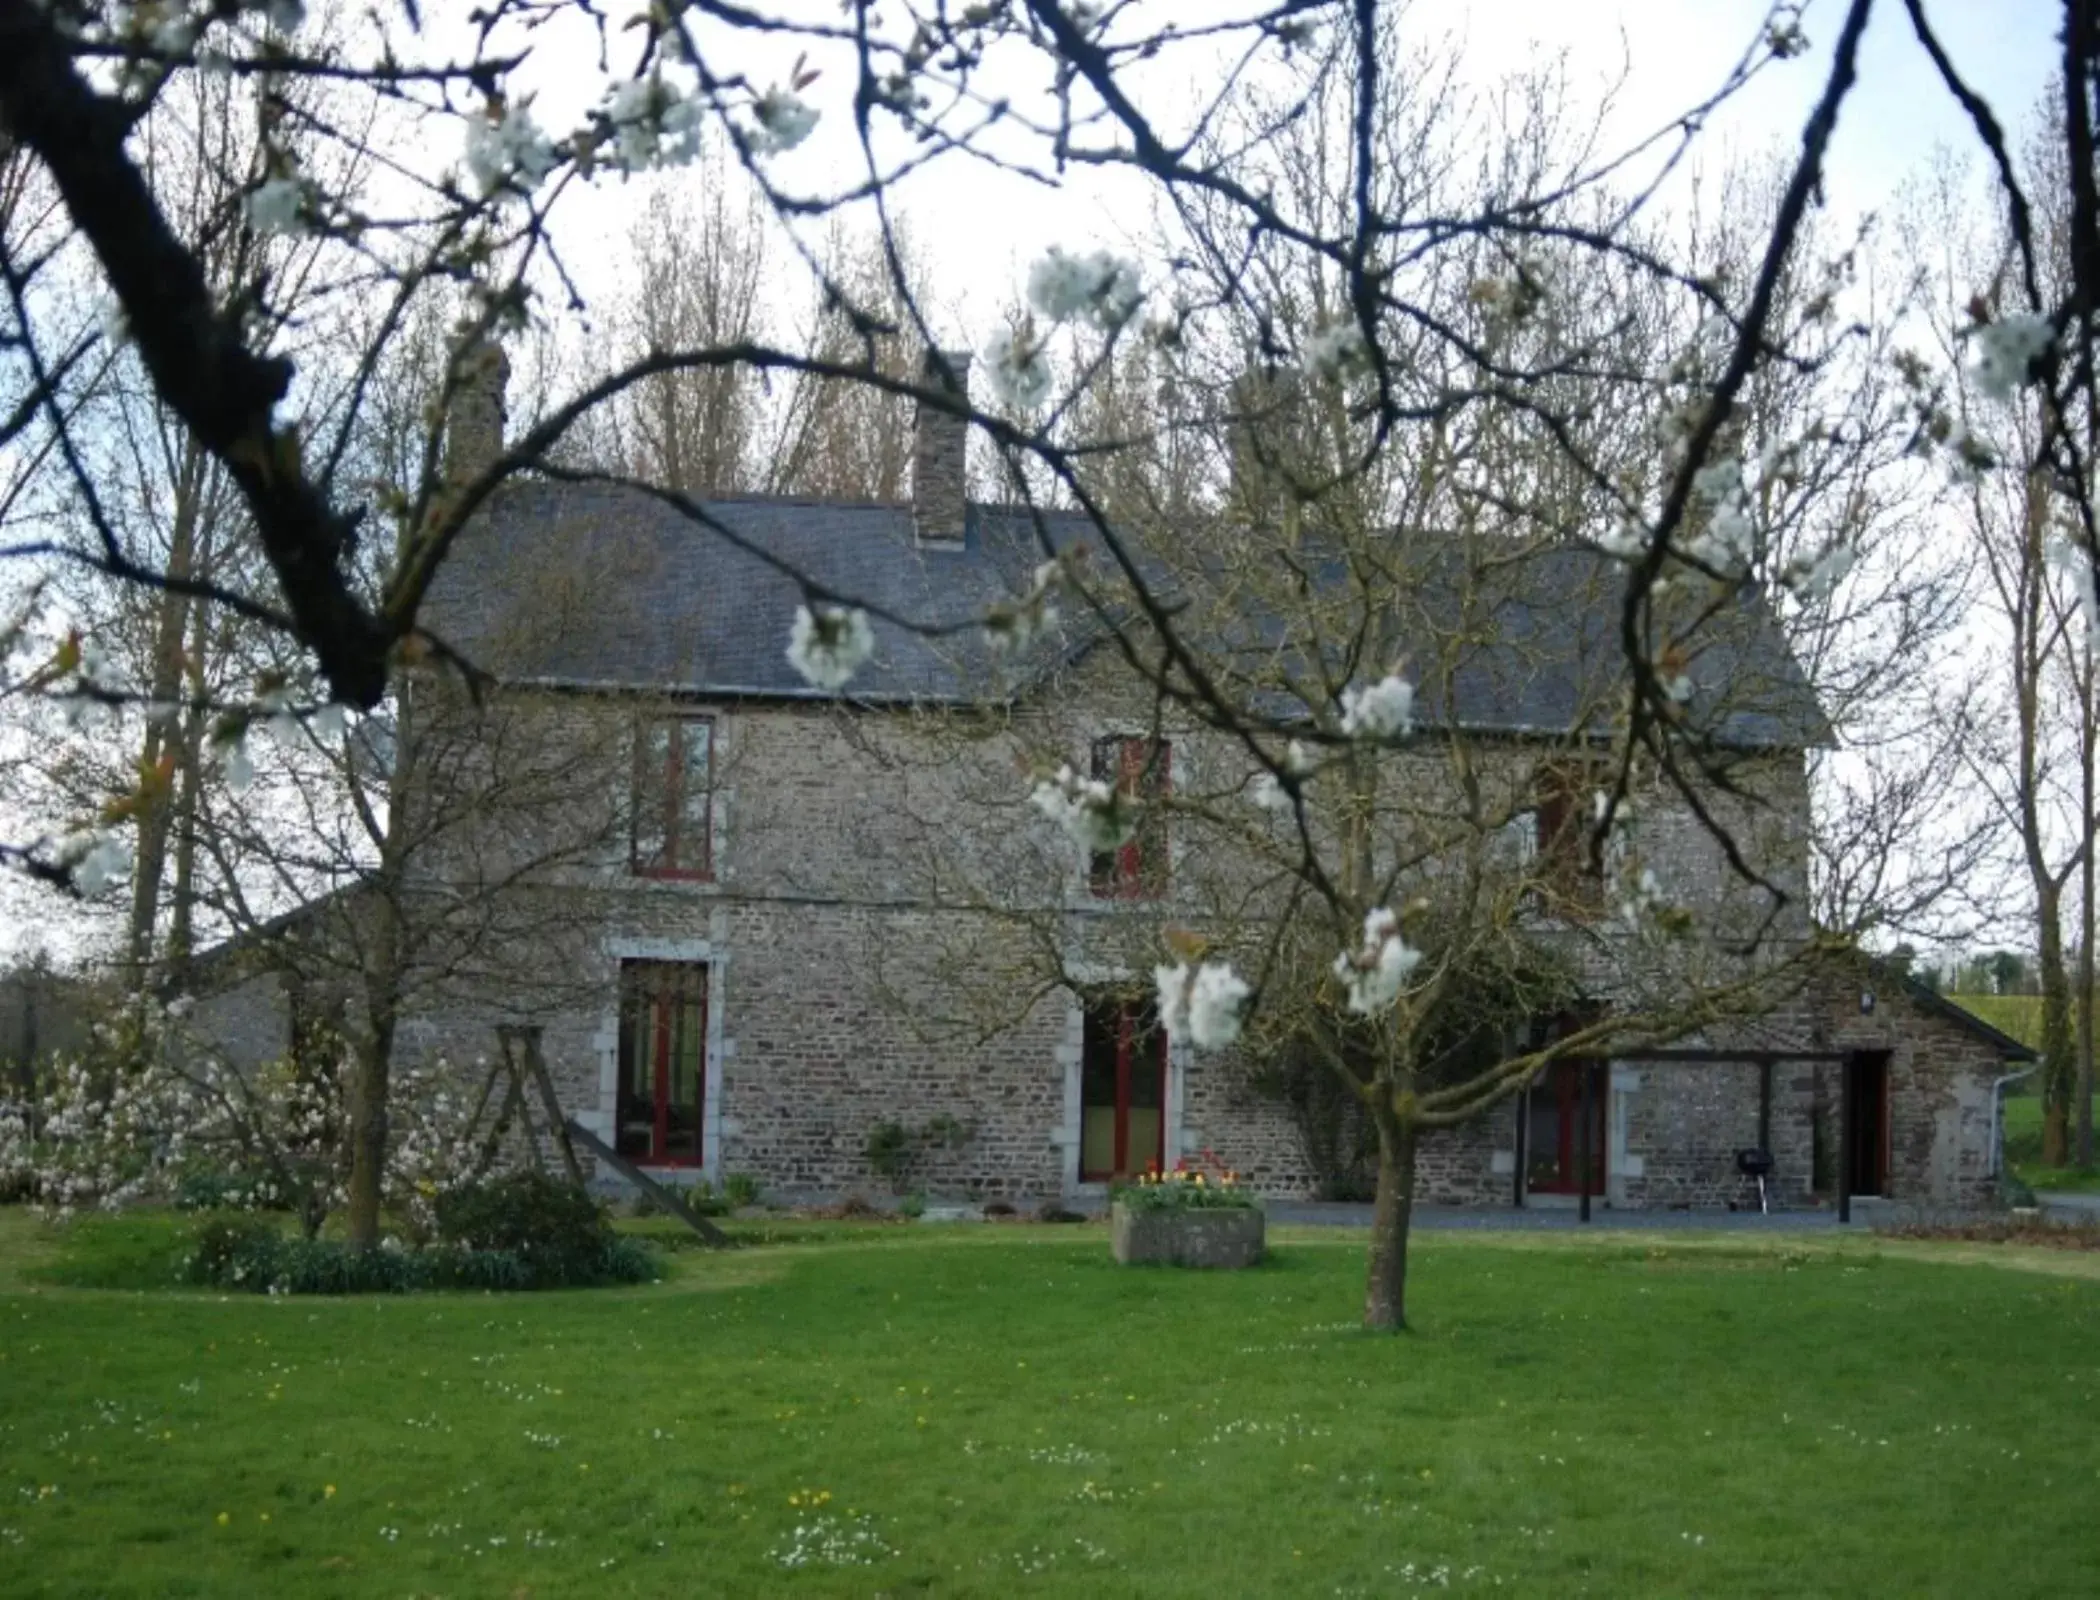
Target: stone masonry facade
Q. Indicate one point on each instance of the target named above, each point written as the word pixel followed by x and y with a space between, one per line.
pixel 836 1003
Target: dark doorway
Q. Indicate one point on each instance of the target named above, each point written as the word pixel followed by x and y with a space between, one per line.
pixel 1122 1092
pixel 1553 1136
pixel 1867 1122
pixel 663 1061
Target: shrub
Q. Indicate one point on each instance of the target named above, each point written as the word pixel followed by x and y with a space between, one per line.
pixel 236 1252
pixel 249 1253
pixel 740 1189
pixel 227 1189
pixel 523 1211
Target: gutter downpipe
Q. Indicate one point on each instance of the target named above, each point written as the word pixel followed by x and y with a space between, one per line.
pixel 1998 1119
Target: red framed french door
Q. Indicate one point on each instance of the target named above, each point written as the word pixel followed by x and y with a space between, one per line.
pixel 1553 1131
pixel 663 1062
pixel 1122 1092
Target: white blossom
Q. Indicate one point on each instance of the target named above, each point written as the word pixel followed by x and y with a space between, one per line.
pixel 1643 898
pixel 286 16
pixel 277 206
pixel 784 119
pixel 1336 351
pixel 1268 792
pixel 1384 710
pixel 655 124
pixel 2070 559
pixel 1814 576
pixel 2006 351
pixel 1376 970
pixel 1679 688
pixel 95 860
pixel 1628 541
pixel 115 326
pixel 1011 626
pixel 1098 287
pixel 235 763
pixel 1098 816
pixel 508 151
pixel 1730 536
pixel 1019 369
pixel 1206 1010
pixel 828 644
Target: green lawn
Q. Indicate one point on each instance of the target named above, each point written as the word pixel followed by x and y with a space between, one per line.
pixel 2023 1149
pixel 995 1411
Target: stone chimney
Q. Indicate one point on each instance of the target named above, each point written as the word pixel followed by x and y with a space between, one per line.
pixel 474 427
pixel 939 486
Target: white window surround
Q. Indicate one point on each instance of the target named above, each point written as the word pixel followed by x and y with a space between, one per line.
pixel 1068 1054
pixel 606 1041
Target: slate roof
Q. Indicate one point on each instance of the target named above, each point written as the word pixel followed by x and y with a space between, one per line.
pixel 605 586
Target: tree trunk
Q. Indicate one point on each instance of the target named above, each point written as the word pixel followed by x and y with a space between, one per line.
pixel 368 1091
pixel 1385 1293
pixel 2058 1067
pixel 2082 1099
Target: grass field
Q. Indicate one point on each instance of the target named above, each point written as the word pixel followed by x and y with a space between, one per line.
pixel 2023 1149
pixel 995 1411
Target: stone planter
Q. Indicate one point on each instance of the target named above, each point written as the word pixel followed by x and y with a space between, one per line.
pixel 1225 1236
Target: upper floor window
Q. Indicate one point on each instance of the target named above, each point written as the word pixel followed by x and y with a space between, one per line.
pixel 1568 870
pixel 674 793
pixel 1141 768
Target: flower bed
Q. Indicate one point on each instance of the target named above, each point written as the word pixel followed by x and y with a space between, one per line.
pixel 1187 1218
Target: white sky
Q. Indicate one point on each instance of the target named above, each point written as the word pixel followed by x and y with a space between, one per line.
pixel 981 229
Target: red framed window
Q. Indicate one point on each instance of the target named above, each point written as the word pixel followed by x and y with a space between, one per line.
pixel 1122 1091
pixel 1143 768
pixel 674 793
pixel 663 1062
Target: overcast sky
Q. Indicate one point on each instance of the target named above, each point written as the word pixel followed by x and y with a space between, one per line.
pixel 1656 58
pixel 980 229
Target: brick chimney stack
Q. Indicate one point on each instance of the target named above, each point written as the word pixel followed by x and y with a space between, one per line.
pixel 939 485
pixel 474 428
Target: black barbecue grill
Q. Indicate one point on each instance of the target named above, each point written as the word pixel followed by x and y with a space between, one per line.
pixel 1756 1164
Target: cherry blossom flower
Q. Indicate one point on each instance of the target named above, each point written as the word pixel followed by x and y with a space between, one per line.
pixel 829 644
pixel 1095 813
pixel 1377 969
pixel 278 205
pixel 1384 710
pixel 1011 626
pixel 1099 288
pixel 783 120
pixel 1337 351
pixel 509 151
pixel 1813 576
pixel 2006 351
pixel 1018 367
pixel 654 123
pixel 1206 1009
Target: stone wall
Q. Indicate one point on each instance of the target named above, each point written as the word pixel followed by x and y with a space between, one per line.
pixel 892 935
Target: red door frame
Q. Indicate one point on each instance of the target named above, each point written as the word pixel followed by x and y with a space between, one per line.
pixel 664 993
pixel 1126 1051
pixel 1567 1088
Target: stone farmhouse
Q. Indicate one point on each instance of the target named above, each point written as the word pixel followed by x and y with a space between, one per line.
pixel 789 925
